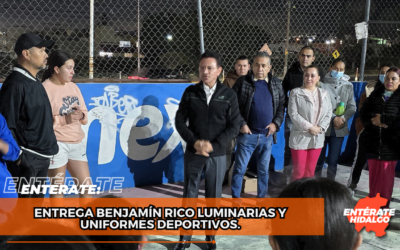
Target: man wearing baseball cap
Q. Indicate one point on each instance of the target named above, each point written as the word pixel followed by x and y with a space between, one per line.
pixel 26 107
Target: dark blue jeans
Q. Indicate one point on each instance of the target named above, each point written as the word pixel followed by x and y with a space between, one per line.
pixel 246 145
pixel 335 146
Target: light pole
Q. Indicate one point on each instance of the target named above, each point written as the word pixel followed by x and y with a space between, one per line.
pixel 329 46
pixel 91 39
pixel 169 38
pixel 200 14
pixel 287 38
pixel 310 40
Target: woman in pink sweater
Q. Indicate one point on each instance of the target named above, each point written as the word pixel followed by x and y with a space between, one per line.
pixel 69 113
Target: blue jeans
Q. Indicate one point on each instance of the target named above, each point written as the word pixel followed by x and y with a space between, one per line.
pixel 246 145
pixel 335 146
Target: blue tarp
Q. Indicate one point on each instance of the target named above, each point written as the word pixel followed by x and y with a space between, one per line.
pixel 131 132
pixel 135 146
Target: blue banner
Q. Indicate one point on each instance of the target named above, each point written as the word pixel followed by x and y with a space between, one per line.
pixel 131 132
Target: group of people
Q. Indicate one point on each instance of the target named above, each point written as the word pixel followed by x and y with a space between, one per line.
pixel 248 108
pixel 41 134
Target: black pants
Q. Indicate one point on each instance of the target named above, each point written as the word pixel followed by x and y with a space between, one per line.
pixel 30 166
pixel 214 172
pixel 230 147
pixel 359 161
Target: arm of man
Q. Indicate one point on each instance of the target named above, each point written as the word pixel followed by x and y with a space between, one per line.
pixel 237 87
pixel 9 149
pixel 181 117
pixel 11 102
pixel 232 125
pixel 286 87
pixel 280 111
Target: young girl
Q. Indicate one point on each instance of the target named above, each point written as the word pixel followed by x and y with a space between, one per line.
pixel 69 113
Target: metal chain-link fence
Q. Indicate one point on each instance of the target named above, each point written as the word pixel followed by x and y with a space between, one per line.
pixel 161 38
pixel 65 22
pixel 383 34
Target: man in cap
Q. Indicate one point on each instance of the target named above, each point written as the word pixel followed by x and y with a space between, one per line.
pixel 26 107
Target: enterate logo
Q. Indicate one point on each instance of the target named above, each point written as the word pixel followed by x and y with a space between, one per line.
pixel 368 213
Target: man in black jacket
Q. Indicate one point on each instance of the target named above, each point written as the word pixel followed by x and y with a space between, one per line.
pixel 261 103
pixel 242 67
pixel 211 109
pixel 294 79
pixel 26 107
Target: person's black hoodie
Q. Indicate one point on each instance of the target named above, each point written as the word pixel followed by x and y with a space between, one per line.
pixel 26 107
pixel 294 79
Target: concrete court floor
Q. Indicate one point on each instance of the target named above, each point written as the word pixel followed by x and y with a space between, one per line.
pixel 388 242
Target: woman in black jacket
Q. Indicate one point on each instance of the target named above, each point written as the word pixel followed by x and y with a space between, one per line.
pixel 380 115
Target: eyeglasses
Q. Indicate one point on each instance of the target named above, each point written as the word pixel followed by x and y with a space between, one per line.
pixel 308 56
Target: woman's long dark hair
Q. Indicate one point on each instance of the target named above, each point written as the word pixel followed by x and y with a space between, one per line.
pixel 390 65
pixel 56 58
pixel 339 232
pixel 337 60
pixel 395 70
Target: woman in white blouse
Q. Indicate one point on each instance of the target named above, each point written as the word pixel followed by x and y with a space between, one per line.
pixel 310 110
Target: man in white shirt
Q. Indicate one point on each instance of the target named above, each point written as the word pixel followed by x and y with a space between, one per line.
pixel 213 114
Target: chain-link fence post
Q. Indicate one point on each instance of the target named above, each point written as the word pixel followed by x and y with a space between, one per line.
pixel 200 26
pixel 287 37
pixel 138 36
pixel 365 41
pixel 91 39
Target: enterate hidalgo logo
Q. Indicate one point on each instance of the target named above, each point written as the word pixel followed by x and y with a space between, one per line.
pixel 367 213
